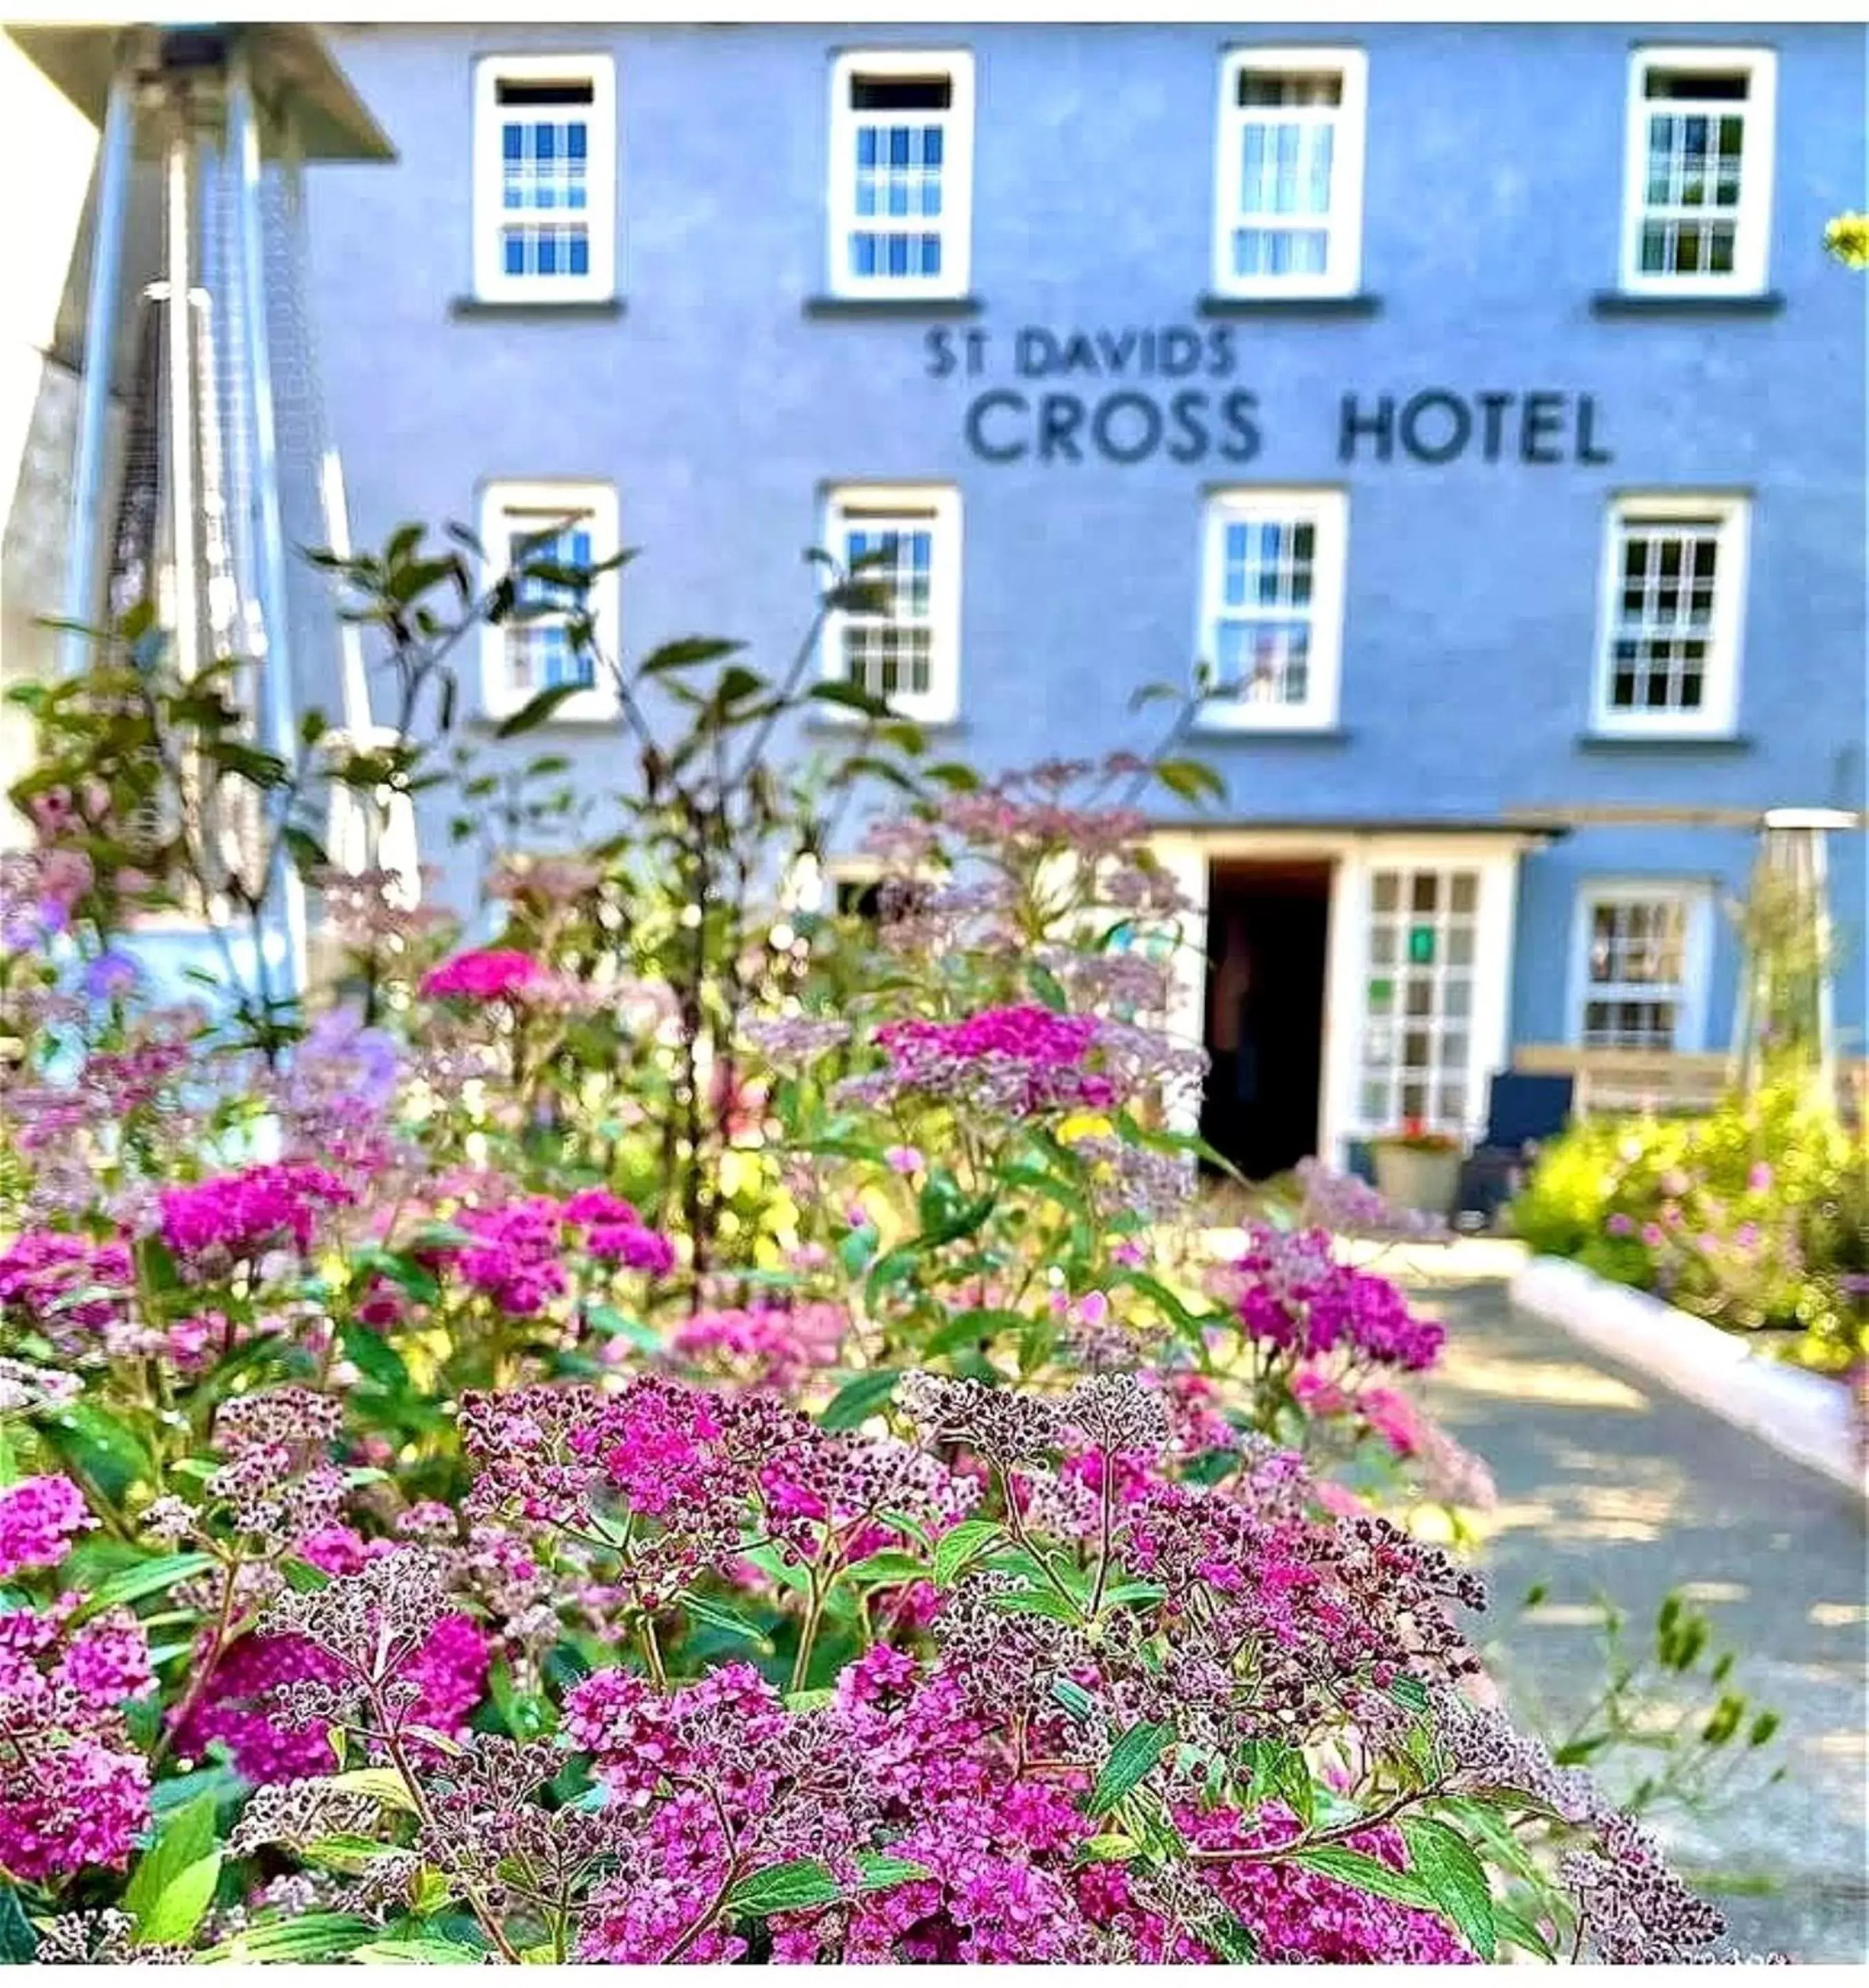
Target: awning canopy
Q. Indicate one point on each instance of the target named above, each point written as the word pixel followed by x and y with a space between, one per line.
pixel 293 75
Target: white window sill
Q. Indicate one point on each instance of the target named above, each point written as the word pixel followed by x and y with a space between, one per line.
pixel 1319 728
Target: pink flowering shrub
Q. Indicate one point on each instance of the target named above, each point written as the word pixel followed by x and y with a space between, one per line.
pixel 660 1462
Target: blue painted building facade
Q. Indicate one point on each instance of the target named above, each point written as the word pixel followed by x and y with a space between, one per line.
pixel 1476 405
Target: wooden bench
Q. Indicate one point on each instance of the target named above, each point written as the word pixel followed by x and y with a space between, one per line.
pixel 1660 1081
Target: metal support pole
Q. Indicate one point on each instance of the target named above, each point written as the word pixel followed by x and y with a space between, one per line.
pixel 278 728
pixel 85 531
pixel 184 571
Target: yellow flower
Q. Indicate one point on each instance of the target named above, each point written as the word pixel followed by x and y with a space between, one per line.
pixel 1084 1125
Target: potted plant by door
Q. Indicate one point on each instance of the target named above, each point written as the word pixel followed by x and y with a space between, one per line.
pixel 1418 1169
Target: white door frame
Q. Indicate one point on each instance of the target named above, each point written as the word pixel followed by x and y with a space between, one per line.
pixel 1190 854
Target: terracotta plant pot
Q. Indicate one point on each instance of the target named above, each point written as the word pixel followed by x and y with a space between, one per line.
pixel 1419 1177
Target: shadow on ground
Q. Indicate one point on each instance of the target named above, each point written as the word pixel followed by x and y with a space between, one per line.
pixel 1610 1484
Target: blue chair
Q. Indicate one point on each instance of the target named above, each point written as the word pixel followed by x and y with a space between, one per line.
pixel 1523 1109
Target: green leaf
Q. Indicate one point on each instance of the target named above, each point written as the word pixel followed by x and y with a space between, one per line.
pixel 1444 1862
pixel 1159 1294
pixel 737 684
pixel 104 1450
pixel 1517 1930
pixel 857 1399
pixel 1231 1940
pixel 535 711
pixel 1130 1759
pixel 959 1544
pixel 962 1221
pixel 973 1328
pixel 1075 1699
pixel 1023 1173
pixel 880 1870
pixel 1037 1602
pixel 346 1852
pixel 719 1616
pixel 951 774
pixel 614 1324
pixel 851 696
pixel 887 1569
pixel 1367 1874
pixel 18 1943
pixel 856 1249
pixel 686 654
pixel 151 1577
pixel 1112 1849
pixel 373 1356
pixel 406 1276
pixel 1048 988
pixel 310 1937
pixel 384 1784
pixel 1410 1692
pixel 1275 1769
pixel 1191 779
pixel 784 1888
pixel 417 1953
pixel 179 1911
pixel 220 1783
pixel 184 1839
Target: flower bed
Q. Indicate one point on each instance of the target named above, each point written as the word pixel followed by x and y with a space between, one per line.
pixel 1756 1218
pixel 696 1434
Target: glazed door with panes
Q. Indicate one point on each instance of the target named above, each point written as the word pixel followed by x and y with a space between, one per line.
pixel 1418 1060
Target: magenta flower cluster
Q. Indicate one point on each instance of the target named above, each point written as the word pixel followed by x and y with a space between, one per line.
pixel 1024 1059
pixel 248 1704
pixel 517 1258
pixel 39 1518
pixel 74 1790
pixel 496 974
pixel 238 1217
pixel 1293 1295
pixel 722 1778
pixel 70 1287
pixel 771 1346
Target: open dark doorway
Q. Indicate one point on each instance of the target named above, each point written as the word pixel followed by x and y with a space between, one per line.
pixel 1268 926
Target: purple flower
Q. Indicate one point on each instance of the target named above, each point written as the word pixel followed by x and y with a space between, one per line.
pixel 1652 1236
pixel 1620 1224
pixel 112 976
pixel 905 1160
pixel 1759 1180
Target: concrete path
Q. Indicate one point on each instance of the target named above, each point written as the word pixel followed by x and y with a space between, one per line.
pixel 1608 1484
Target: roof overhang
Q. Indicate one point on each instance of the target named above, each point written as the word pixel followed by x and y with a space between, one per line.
pixel 296 83
pixel 1491 827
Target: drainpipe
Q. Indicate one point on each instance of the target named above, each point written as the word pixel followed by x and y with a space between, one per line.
pixel 86 529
